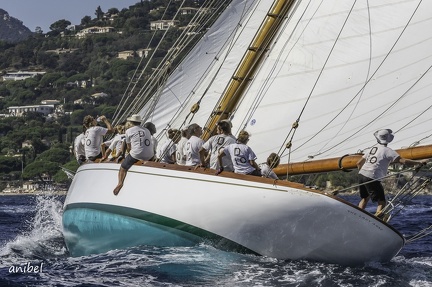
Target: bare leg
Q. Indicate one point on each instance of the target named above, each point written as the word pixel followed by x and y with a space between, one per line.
pixel 380 207
pixel 363 202
pixel 121 178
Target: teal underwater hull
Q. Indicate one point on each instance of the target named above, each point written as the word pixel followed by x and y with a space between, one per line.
pixel 92 229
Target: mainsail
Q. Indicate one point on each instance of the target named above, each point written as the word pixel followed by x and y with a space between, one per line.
pixel 340 69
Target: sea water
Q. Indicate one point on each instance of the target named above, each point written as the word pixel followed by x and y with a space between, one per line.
pixel 33 253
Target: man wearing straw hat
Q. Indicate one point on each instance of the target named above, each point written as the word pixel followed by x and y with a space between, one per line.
pixel 139 145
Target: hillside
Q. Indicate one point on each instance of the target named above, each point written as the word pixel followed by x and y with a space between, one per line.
pixel 11 29
pixel 70 65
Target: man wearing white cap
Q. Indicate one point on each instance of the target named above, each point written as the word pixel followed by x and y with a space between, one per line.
pixel 139 145
pixel 373 168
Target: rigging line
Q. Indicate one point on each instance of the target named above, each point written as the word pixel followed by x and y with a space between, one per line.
pixel 226 55
pixel 405 198
pixel 376 70
pixel 230 41
pixel 412 120
pixel 319 75
pixel 422 233
pixel 267 82
pixel 326 61
pixel 363 90
pixel 248 74
pixel 378 116
pixel 157 72
pixel 422 139
pixel 219 7
pixel 119 107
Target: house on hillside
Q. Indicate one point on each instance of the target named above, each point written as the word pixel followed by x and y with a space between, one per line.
pixel 143 53
pixel 126 54
pixel 18 111
pixel 163 24
pixel 59 51
pixel 20 75
pixel 188 10
pixel 94 30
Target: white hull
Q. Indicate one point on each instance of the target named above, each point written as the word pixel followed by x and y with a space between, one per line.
pixel 170 207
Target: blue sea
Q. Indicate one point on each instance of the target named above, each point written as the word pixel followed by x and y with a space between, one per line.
pixel 33 253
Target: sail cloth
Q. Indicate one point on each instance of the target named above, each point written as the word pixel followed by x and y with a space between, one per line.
pixel 343 69
pixel 208 67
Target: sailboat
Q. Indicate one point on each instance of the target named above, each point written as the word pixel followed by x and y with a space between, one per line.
pixel 311 81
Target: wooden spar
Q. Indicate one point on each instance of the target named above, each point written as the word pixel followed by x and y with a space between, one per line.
pixel 248 65
pixel 346 162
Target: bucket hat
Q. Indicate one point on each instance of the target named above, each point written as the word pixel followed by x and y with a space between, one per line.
pixel 384 136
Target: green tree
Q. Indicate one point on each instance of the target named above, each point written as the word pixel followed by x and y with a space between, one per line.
pixel 38 168
pixel 49 78
pixel 57 154
pixel 86 20
pixel 99 13
pixel 59 25
pixel 9 163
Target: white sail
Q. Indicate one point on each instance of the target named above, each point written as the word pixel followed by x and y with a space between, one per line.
pixel 354 69
pixel 209 66
pixel 344 68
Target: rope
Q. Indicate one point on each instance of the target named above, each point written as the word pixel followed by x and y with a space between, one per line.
pixel 364 86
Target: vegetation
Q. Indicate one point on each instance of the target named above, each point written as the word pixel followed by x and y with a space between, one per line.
pixel 32 146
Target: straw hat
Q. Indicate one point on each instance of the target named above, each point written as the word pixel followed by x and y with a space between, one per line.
pixel 384 136
pixel 135 118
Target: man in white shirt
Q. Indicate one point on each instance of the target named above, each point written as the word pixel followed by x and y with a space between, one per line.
pixel 79 150
pixel 193 145
pixel 373 168
pixel 140 146
pixel 94 136
pixel 242 156
pixel 181 147
pixel 152 128
pixel 215 144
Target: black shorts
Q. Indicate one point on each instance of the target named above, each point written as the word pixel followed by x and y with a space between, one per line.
pixel 93 158
pixel 372 188
pixel 256 172
pixel 128 162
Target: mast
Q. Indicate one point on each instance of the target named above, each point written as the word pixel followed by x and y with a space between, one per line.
pixel 249 64
pixel 346 162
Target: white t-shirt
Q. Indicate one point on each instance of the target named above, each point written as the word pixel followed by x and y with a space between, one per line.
pixel 116 144
pixel 79 146
pixel 93 140
pixel 166 151
pixel 193 146
pixel 377 162
pixel 215 144
pixel 240 155
pixel 266 171
pixel 155 144
pixel 141 143
pixel 180 153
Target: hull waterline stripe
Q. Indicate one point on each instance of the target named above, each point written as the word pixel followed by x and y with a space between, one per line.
pixel 165 222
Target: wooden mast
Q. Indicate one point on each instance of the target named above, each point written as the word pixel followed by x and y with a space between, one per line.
pixel 346 162
pixel 249 64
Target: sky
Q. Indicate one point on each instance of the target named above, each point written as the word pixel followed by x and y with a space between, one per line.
pixel 43 13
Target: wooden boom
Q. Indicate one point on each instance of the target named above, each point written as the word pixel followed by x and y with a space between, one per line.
pixel 345 162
